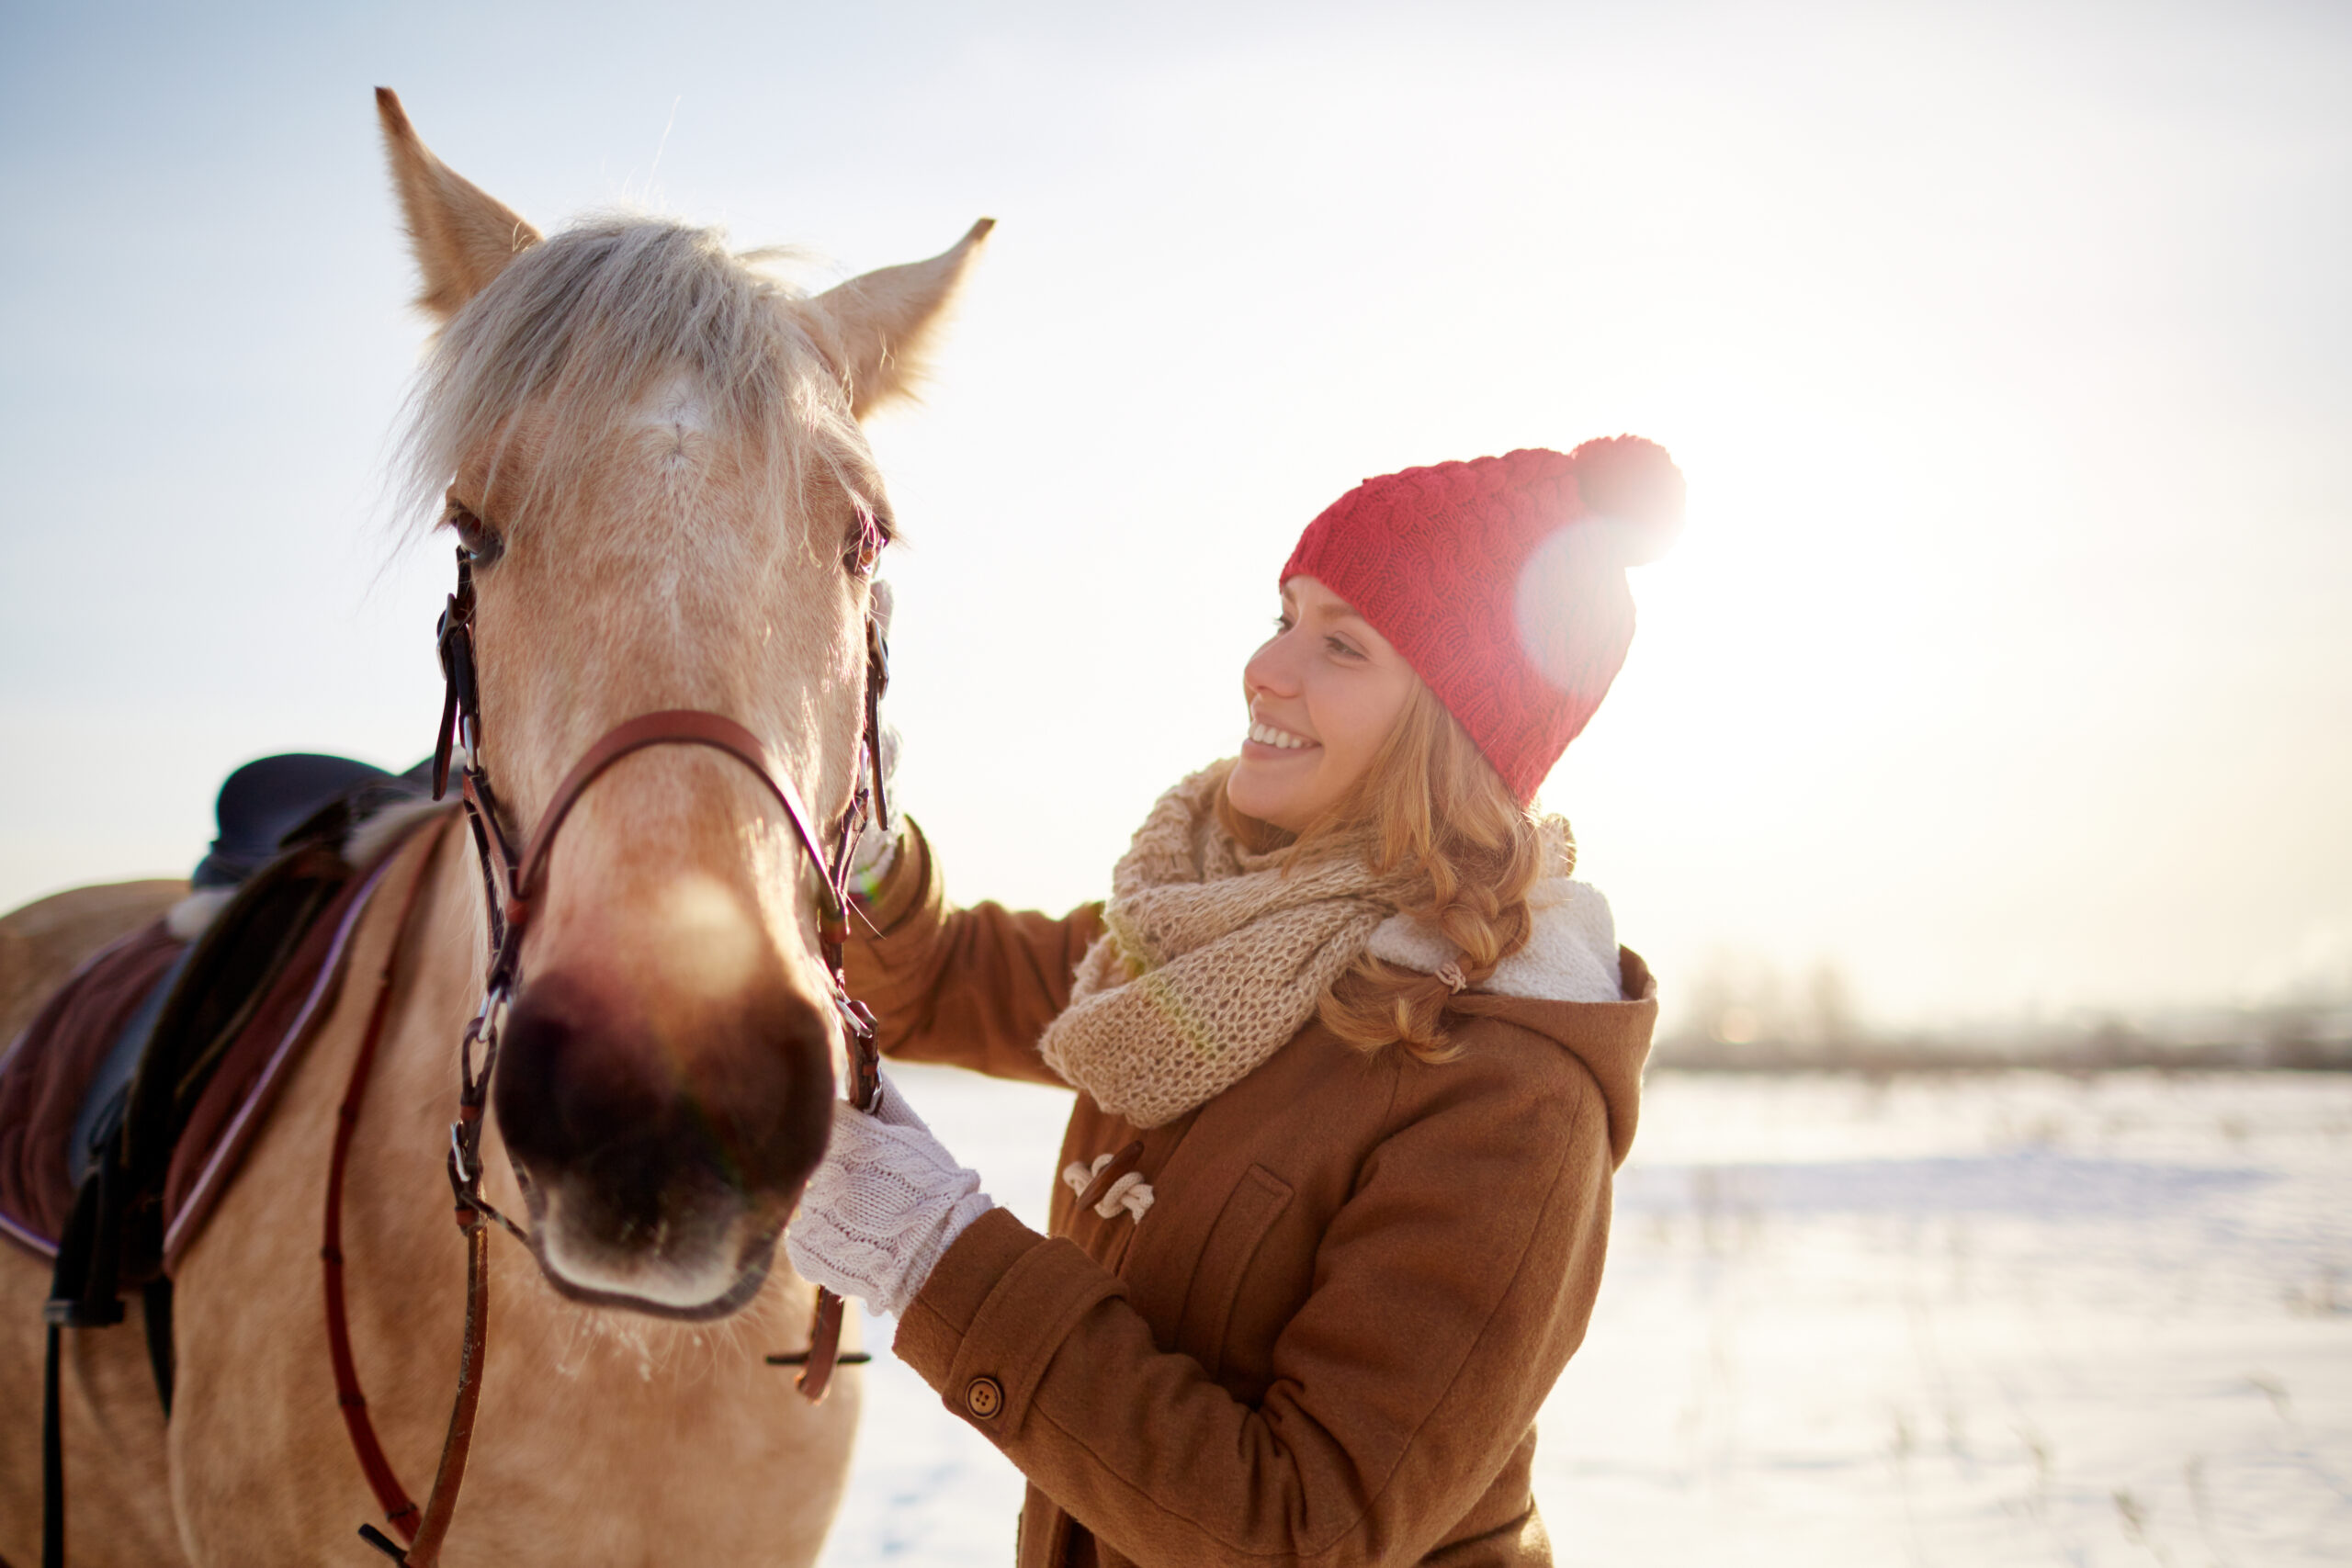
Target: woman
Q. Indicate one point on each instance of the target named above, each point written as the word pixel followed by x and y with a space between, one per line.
pixel 1355 1062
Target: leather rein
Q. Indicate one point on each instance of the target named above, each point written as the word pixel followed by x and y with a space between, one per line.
pixel 513 885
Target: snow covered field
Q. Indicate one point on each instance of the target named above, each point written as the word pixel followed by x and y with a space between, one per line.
pixel 2010 1320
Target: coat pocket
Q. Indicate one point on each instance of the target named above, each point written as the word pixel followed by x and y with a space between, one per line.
pixel 1250 1212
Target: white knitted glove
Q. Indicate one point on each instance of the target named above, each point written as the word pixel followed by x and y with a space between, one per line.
pixel 884 1205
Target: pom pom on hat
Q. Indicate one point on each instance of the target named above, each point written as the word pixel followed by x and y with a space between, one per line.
pixel 1632 482
pixel 1503 582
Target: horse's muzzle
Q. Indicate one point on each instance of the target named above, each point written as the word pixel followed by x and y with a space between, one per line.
pixel 662 1149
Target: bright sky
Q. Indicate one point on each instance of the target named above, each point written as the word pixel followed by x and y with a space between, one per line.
pixel 2005 663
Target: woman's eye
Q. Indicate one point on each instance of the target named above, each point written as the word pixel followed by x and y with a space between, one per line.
pixel 1282 624
pixel 1336 646
pixel 482 541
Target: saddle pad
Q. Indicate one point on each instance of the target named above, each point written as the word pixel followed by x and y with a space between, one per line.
pixel 229 1112
pixel 47 1075
pixel 229 1077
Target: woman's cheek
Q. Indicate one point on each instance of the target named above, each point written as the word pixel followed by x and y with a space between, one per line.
pixel 1348 746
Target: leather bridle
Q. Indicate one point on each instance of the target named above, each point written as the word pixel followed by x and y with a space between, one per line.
pixel 514 884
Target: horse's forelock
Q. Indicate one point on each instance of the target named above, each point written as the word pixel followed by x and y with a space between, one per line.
pixel 579 330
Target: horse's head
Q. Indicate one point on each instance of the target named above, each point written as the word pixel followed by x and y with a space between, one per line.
pixel 652 451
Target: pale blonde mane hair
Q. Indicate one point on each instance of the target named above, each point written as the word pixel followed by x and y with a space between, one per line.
pixel 584 326
pixel 1431 807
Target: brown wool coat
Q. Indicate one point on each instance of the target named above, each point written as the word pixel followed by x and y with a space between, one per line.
pixel 1328 1339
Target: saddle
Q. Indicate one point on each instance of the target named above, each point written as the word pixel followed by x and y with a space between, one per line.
pixel 130 1098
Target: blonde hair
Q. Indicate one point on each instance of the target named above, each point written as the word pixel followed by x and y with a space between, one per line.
pixel 1430 807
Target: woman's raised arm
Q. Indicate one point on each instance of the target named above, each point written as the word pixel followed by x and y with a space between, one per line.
pixel 972 987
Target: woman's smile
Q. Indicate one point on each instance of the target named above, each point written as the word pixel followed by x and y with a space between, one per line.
pixel 1265 739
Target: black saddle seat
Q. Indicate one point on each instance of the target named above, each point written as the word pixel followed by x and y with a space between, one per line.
pixel 266 800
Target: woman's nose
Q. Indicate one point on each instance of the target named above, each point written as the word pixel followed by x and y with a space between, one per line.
pixel 1269 670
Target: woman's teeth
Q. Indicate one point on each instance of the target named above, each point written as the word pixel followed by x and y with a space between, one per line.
pixel 1267 735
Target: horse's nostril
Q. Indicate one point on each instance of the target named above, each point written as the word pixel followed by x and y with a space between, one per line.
pixel 650 1117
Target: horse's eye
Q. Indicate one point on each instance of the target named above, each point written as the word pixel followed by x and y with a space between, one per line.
pixel 483 543
pixel 864 551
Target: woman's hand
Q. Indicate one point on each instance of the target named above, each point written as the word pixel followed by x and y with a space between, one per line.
pixel 884 1205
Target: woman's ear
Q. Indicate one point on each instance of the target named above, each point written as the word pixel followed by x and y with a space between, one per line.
pixel 462 235
pixel 872 329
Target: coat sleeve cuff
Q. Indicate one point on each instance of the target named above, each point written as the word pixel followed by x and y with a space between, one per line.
pixel 911 884
pixel 986 1324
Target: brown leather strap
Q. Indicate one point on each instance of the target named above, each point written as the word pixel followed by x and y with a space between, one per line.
pixel 399 1512
pixel 441 1505
pixel 671 726
pixel 824 1346
pixel 424 1529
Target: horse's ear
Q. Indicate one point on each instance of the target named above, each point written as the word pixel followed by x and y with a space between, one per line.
pixel 872 329
pixel 463 236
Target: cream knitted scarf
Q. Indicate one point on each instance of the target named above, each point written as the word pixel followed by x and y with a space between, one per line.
pixel 1210 960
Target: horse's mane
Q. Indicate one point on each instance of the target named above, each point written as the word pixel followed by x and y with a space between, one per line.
pixel 584 326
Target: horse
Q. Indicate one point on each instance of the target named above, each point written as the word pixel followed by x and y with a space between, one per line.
pixel 648 451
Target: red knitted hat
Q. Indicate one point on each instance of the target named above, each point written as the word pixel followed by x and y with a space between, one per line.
pixel 1503 582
